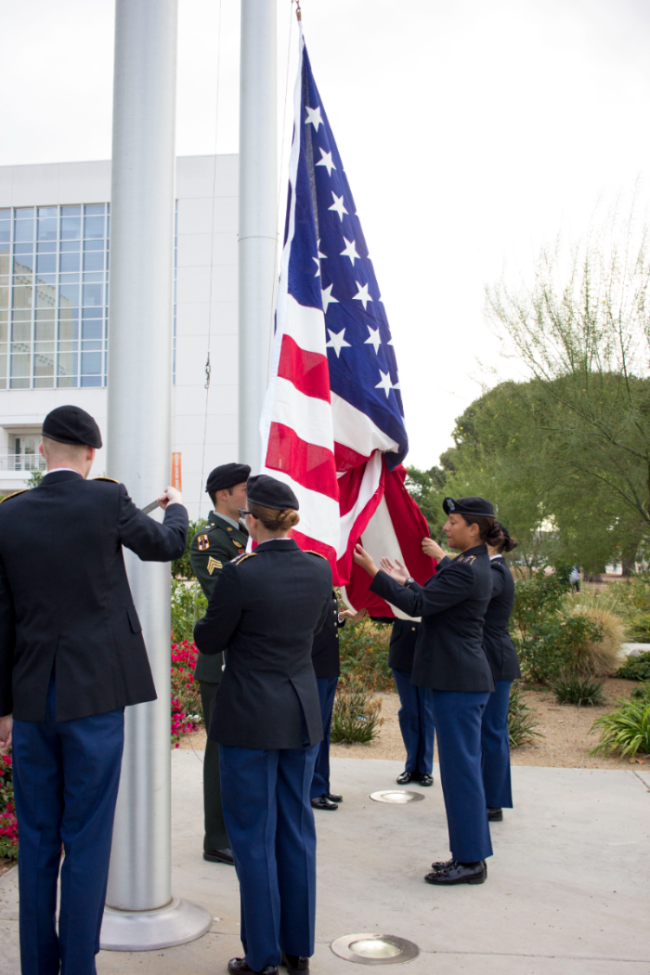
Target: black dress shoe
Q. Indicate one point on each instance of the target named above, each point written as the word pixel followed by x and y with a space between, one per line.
pixel 219 856
pixel 458 873
pixel 322 802
pixel 426 779
pixel 405 778
pixel 295 964
pixel 238 966
pixel 495 814
pixel 438 865
pixel 333 799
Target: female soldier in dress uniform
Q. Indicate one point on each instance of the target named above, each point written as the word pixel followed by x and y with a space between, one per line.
pixel 266 607
pixel 449 658
pixel 502 657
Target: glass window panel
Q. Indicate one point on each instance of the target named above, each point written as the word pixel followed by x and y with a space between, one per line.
pixel 43 382
pixel 23 297
pixel 45 314
pixel 69 295
pixel 44 331
pixel 93 245
pixel 95 277
pixel 47 228
pixel 46 264
pixel 92 313
pixel 45 248
pixel 45 297
pixel 92 209
pixel 68 246
pixel 5 232
pixel 70 278
pixel 71 211
pixel 70 228
pixel 22 213
pixel 46 280
pixel 68 330
pixel 4 331
pixel 91 346
pixel 5 213
pixel 94 261
pixel 4 297
pixel 23 264
pixel 21 332
pixel 70 262
pixel 67 363
pixel 23 230
pixel 91 380
pixel 92 329
pixel 94 227
pixel 21 316
pixel 19 383
pixel 91 363
pixel 93 294
pixel 20 363
pixel 48 211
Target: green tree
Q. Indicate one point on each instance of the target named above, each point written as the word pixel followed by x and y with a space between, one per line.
pixel 428 490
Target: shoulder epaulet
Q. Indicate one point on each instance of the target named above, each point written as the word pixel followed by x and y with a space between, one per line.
pixel 242 558
pixel 310 551
pixel 111 479
pixel 14 494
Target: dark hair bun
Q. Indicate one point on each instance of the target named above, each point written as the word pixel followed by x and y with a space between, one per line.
pixel 504 542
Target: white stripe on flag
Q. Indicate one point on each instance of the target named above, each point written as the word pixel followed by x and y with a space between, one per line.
pixel 306 326
pixel 319 515
pixel 310 418
pixel 380 539
pixel 355 429
pixel 369 484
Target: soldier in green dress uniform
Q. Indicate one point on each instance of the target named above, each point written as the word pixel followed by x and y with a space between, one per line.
pixel 218 542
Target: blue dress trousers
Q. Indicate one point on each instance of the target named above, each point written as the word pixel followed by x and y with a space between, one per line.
pixel 66 777
pixel 416 723
pixel 320 785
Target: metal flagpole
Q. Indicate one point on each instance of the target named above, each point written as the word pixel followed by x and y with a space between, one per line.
pixel 258 188
pixel 141 912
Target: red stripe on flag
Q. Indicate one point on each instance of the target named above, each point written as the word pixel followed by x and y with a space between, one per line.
pixel 308 371
pixel 308 465
pixel 347 458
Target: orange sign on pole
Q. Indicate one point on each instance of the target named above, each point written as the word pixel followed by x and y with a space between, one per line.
pixel 177 476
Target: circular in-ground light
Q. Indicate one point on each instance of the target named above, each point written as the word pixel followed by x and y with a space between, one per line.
pixel 375 949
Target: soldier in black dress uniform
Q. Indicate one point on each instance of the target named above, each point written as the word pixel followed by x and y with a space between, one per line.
pixel 265 609
pixel 502 657
pixel 71 658
pixel 216 544
pixel 449 658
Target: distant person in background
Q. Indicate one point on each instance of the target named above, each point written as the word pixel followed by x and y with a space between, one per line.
pixel 415 714
pixel 574 578
pixel 327 667
pixel 219 542
pixel 503 660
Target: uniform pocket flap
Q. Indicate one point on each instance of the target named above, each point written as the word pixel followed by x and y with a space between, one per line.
pixel 133 619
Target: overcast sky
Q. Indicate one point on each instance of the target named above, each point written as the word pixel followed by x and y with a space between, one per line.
pixel 471 133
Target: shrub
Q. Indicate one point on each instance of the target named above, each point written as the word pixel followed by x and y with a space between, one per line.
pixel 633 598
pixel 641 693
pixel 625 730
pixel 571 688
pixel 364 655
pixel 8 822
pixel 186 696
pixel 555 644
pixel 636 667
pixel 182 567
pixel 355 717
pixel 188 605
pixel 537 598
pixel 521 720
pixel 599 657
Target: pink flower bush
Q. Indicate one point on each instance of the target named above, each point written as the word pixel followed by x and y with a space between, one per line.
pixel 8 822
pixel 186 697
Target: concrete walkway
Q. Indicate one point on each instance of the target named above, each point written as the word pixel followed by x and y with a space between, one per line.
pixel 567 894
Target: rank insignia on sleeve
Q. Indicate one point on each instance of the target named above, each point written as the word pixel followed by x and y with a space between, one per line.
pixel 202 542
pixel 214 564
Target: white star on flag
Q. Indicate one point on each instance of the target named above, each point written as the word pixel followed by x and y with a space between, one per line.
pixel 328 298
pixel 337 342
pixel 326 160
pixel 385 383
pixel 313 117
pixel 350 251
pixel 317 275
pixel 362 294
pixel 374 338
pixel 338 205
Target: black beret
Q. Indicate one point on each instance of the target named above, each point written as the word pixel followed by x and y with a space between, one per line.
pixel 478 507
pixel 226 476
pixel 270 493
pixel 71 424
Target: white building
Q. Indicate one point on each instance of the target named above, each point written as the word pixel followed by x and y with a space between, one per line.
pixel 54 239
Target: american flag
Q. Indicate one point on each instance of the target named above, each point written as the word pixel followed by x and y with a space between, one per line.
pixel 333 421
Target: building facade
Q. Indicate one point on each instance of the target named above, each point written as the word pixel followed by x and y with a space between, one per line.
pixel 55 319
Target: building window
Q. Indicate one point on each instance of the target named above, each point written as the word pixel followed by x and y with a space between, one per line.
pixel 53 296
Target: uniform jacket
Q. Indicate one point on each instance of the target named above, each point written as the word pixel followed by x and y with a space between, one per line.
pixel 497 643
pixel 213 547
pixel 64 596
pixel 266 608
pixel 325 651
pixel 449 653
pixel 403 638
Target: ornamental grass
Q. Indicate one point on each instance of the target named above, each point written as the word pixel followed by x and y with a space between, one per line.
pixel 625 731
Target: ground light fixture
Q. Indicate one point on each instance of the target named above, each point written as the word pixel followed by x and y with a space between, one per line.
pixel 375 949
pixel 398 796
